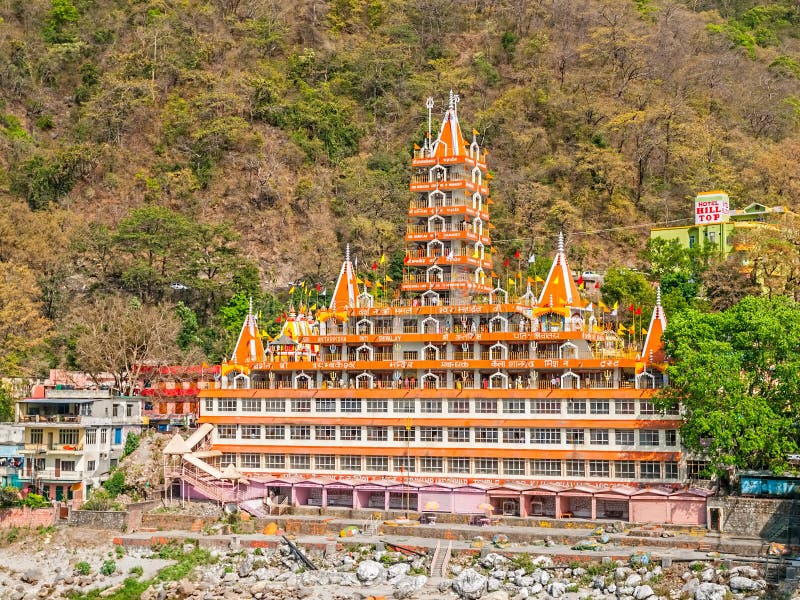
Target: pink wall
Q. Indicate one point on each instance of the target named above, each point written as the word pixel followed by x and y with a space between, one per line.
pixel 445 500
pixel 685 511
pixel 27 517
pixel 467 502
pixel 649 510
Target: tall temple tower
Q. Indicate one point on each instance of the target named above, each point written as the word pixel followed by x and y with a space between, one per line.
pixel 448 256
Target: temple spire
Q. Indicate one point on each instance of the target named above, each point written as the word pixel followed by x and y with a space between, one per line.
pixel 653 349
pixel 344 295
pixel 559 284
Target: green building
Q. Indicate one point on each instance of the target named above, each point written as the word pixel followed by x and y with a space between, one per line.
pixel 715 223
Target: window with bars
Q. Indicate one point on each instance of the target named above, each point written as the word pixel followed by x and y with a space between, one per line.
pixel 671 437
pixel 377 406
pixel 458 465
pixel 574 436
pixel 91 437
pixel 624 437
pixel 404 406
pixel 670 470
pixel 300 432
pixel 513 435
pixel 649 469
pixel 402 434
pixel 546 466
pixel 647 408
pixel 458 434
pixel 625 469
pixel 377 463
pixel 350 462
pixel 300 462
pixel 513 407
pixel 349 433
pixel 377 434
pixel 696 469
pixel 487 406
pixel 251 432
pixel 431 434
pixel 545 436
pixel 576 407
pixel 457 406
pixel 325 462
pixel 274 461
pixel 575 468
pixel 250 461
pixel 599 468
pixel 599 407
pixel 648 437
pixel 598 437
pixel 513 466
pixel 625 407
pixel 274 405
pixel 405 464
pixel 68 437
pixel 547 407
pixel 486 466
pixel 226 432
pixel 273 432
pixel 301 405
pixel 227 405
pixel 325 432
pixel 486 435
pixel 351 405
pixel 431 406
pixel 432 464
pixel 325 405
pixel 251 405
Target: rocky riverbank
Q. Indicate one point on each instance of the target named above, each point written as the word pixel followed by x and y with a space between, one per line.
pixel 354 573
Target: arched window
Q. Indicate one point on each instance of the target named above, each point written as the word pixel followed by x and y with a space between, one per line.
pixel 436 198
pixel 430 381
pixel 498 381
pixel 365 352
pixel 498 323
pixel 570 381
pixel 430 352
pixel 364 327
pixel 498 351
pixel 303 381
pixel 498 296
pixel 364 381
pixel 568 350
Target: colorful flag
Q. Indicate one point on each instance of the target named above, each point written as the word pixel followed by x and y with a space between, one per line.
pixel 603 306
pixel 495 275
pixel 383 259
pixel 632 330
pixel 359 280
pixel 319 288
pixel 367 283
pixel 474 132
pixel 406 259
pixel 375 266
pixel 511 281
pixel 580 280
pixel 539 279
pixel 616 305
pixel 378 285
pixel 291 290
pixel 493 250
pixel 631 307
pixel 517 254
pixel 505 263
pixel 388 279
pixel 416 147
pixel 597 285
pixel 638 311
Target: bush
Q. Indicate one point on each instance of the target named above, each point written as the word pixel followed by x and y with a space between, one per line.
pixel 35 501
pixel 9 496
pixel 136 571
pixel 83 568
pixel 115 484
pixel 101 500
pixel 109 567
pixel 12 535
pixel 131 444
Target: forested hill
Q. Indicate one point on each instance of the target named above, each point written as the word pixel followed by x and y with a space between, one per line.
pixel 149 142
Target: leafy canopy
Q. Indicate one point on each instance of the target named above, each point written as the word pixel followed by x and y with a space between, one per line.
pixel 737 375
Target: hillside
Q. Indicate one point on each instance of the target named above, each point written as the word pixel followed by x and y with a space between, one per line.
pixel 278 131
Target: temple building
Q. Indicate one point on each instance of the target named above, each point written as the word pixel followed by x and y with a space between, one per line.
pixel 457 392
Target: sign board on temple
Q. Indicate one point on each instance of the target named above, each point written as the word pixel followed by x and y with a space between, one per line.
pixel 711 207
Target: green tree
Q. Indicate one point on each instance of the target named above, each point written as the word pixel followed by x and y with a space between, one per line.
pixel 627 287
pixel 6 404
pixel 737 376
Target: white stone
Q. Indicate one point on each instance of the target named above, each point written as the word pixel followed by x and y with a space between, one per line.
pixel 398 570
pixel 710 591
pixel 707 574
pixel 633 580
pixel 642 592
pixel 543 561
pixel 370 571
pixel 493 584
pixel 470 584
pixel 745 571
pixel 690 587
pixel 556 589
pixel 496 595
pixel 743 584
pixel 536 588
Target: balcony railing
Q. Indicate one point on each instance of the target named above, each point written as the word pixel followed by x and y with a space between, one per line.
pixel 50 418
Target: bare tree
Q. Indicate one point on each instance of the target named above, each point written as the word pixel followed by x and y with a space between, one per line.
pixel 121 336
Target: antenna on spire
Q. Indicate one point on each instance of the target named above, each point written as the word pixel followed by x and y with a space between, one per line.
pixel 347 253
pixel 561 242
pixel 454 100
pixel 250 308
pixel 429 106
pixel 658 296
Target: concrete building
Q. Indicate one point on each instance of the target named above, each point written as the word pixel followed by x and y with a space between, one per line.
pixel 73 438
pixel 716 224
pixel 12 461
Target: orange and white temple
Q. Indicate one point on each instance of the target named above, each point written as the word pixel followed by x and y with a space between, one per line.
pixel 456 393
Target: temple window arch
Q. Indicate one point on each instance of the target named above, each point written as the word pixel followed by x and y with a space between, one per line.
pixel 498 381
pixel 241 382
pixel 364 381
pixel 436 248
pixel 365 300
pixel 477 226
pixel 430 381
pixel 436 198
pixel 570 381
pixel 430 352
pixel 438 173
pixel 431 325
pixel 567 350
pixel 498 352
pixel 436 223
pixel 477 176
pixel 365 352
pixel 498 323
pixel 498 296
pixel 303 381
pixel 477 201
pixel 365 327
pixel 431 298
pixel 434 274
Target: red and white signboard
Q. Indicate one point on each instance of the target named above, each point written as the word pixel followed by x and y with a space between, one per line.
pixel 711 208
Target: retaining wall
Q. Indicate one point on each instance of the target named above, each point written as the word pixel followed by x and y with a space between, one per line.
pixel 27 517
pixel 752 517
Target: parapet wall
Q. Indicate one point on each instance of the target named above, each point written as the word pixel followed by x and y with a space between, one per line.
pixel 753 517
pixel 27 517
